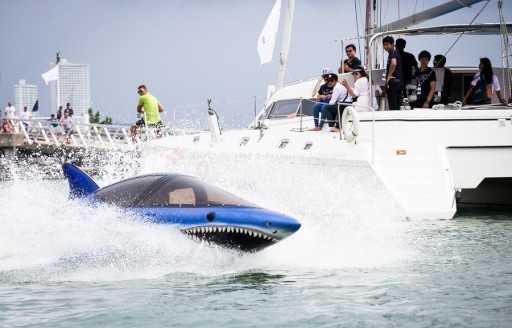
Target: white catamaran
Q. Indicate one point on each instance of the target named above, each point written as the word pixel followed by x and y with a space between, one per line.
pixel 429 162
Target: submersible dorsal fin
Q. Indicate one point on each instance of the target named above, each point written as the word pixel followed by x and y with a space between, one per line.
pixel 80 183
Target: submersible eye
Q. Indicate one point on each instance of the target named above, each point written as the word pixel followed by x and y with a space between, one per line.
pixel 210 216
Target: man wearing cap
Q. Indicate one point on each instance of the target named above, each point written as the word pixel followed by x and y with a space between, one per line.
pixel 323 96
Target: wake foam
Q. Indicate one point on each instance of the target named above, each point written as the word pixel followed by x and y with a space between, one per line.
pixel 347 221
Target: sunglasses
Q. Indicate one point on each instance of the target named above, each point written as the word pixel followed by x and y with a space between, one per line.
pixel 140 91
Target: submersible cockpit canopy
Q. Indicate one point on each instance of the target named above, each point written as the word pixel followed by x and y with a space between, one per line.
pixel 168 190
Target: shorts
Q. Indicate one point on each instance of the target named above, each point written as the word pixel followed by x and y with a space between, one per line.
pixel 141 122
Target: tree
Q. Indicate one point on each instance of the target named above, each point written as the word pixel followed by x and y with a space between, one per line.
pixel 95 118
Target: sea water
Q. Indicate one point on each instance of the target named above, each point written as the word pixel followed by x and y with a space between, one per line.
pixel 356 263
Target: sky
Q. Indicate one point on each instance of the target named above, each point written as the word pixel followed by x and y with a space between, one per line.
pixel 186 51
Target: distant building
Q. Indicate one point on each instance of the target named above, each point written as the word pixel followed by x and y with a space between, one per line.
pixel 72 86
pixel 24 95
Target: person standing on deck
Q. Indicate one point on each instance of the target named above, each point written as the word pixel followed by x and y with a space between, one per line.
pixel 426 82
pixel 10 111
pixel 440 62
pixel 352 62
pixel 409 64
pixel 69 110
pixel 393 74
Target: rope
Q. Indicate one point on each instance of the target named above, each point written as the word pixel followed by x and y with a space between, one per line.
pixel 470 23
pixel 458 38
pixel 357 26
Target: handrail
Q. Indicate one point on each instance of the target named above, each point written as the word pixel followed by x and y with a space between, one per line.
pixel 52 133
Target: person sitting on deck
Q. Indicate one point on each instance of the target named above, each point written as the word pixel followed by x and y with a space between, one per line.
pixel 426 82
pixel 324 93
pixel 150 108
pixel 484 83
pixel 339 95
pixel 361 90
pixel 440 62
pixel 352 62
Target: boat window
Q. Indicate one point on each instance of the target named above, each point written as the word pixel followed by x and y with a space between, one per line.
pixel 283 108
pixel 307 107
pixel 184 191
pixel 287 108
pixel 124 193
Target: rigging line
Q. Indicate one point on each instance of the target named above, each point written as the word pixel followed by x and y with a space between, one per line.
pixel 459 37
pixel 357 27
pixel 470 23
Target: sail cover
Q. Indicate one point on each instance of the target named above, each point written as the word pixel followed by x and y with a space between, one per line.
pixel 267 39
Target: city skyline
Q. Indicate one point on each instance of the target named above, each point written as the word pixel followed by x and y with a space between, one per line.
pixel 185 54
pixel 25 95
pixel 72 86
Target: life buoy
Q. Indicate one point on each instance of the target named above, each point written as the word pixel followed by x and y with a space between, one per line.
pixel 350 123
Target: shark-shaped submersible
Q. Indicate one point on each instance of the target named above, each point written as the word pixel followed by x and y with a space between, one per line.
pixel 199 210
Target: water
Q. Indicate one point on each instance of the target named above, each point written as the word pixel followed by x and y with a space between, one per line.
pixel 63 264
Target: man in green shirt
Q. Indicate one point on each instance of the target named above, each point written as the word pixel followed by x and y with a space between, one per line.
pixel 150 108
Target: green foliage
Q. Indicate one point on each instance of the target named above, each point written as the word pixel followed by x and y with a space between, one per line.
pixel 107 120
pixel 95 118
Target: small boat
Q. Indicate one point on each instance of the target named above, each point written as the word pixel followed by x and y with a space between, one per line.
pixel 199 210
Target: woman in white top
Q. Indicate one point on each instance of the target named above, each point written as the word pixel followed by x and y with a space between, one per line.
pixel 361 90
pixel 484 84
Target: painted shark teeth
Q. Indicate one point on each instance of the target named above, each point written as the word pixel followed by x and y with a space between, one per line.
pixel 196 231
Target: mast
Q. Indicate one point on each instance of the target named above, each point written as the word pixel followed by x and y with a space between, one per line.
pixel 369 27
pixel 505 47
pixel 285 42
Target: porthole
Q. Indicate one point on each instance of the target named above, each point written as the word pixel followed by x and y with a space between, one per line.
pixel 244 141
pixel 284 143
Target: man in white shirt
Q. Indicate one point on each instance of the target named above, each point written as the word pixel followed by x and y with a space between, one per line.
pixel 339 95
pixel 26 116
pixel 340 98
pixel 10 111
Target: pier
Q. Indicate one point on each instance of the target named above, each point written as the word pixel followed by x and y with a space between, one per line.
pixel 45 144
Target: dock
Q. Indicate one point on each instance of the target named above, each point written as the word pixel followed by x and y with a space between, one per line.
pixel 34 142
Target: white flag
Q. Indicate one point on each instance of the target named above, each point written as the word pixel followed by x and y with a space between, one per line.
pixel 267 39
pixel 51 75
